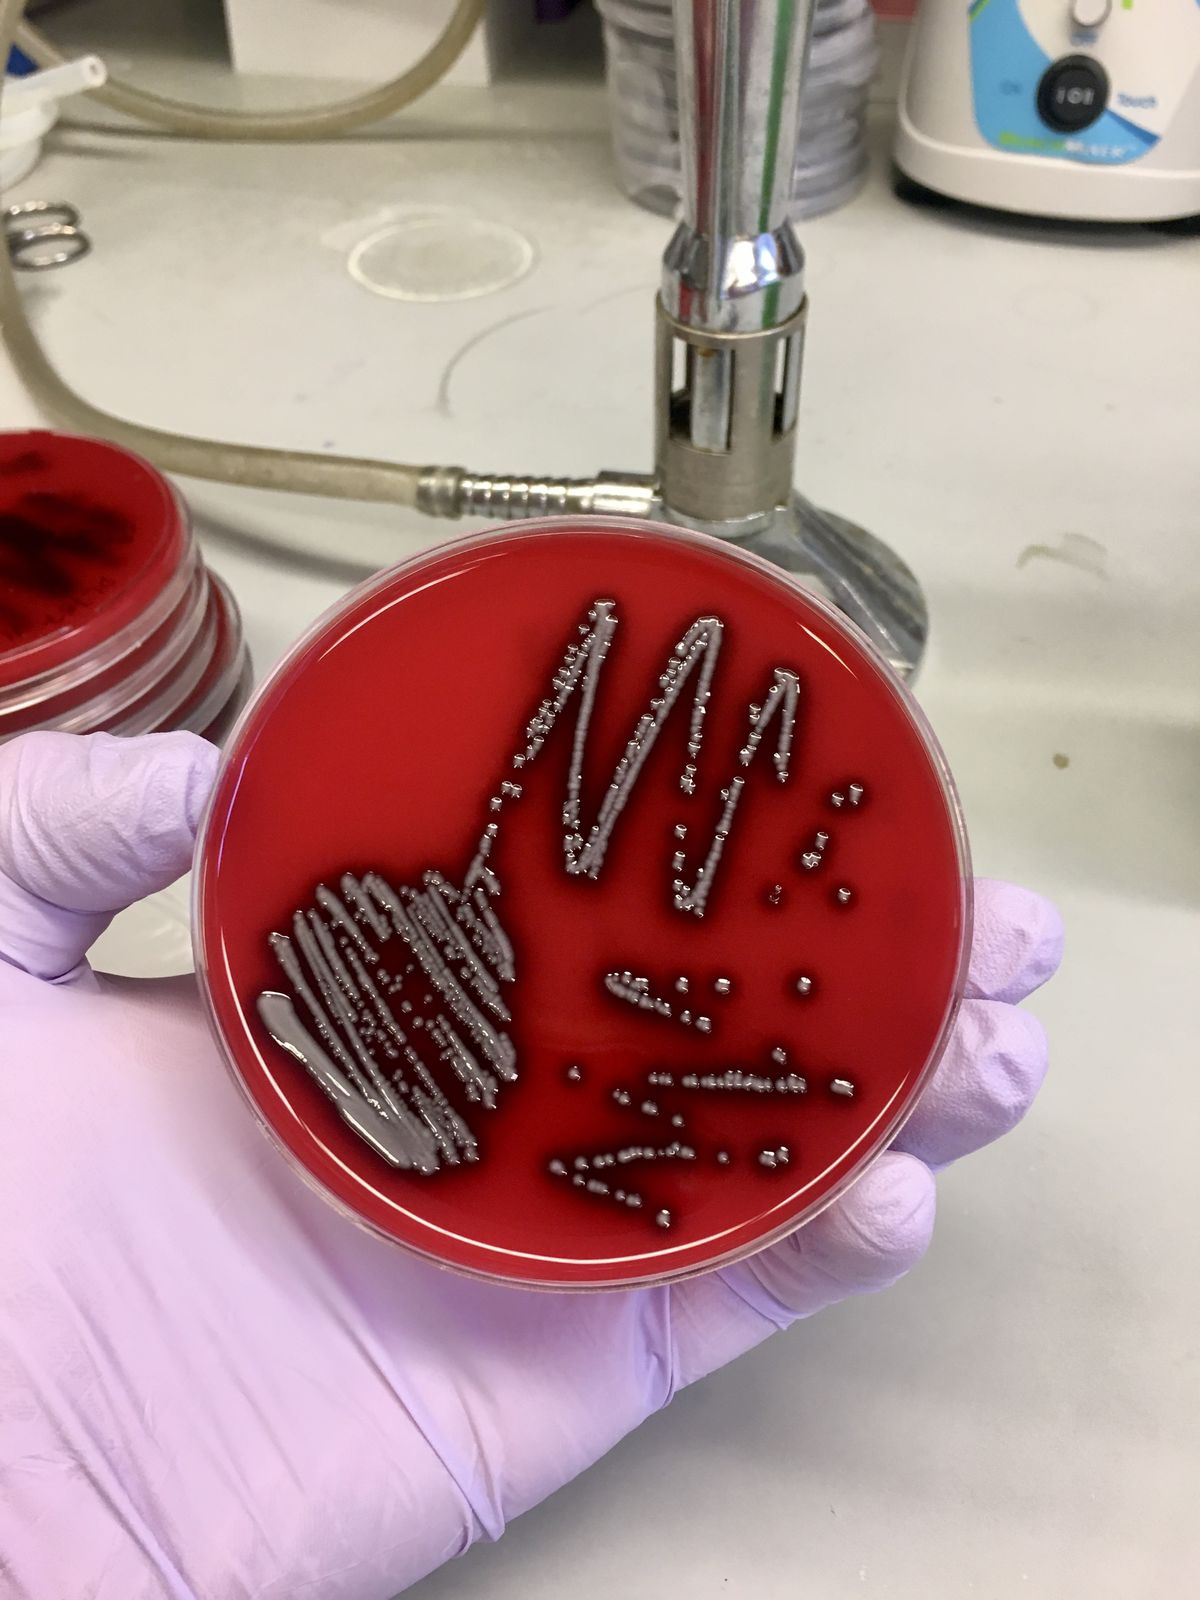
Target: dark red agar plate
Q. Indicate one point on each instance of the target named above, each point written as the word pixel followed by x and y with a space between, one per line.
pixel 109 619
pixel 582 904
pixel 91 541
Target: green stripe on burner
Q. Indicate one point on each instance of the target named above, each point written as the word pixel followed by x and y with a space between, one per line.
pixel 779 69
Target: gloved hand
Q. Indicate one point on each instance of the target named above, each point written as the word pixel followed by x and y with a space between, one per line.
pixel 211 1383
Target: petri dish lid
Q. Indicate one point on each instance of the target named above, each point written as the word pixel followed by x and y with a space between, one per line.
pixel 653 17
pixel 91 702
pixel 598 851
pixel 640 17
pixel 829 197
pixel 229 662
pixel 832 15
pixel 120 656
pixel 851 54
pixel 218 730
pixel 156 707
pixel 91 539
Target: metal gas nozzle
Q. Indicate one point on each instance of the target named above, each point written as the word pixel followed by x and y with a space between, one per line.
pixel 731 312
pixel 729 341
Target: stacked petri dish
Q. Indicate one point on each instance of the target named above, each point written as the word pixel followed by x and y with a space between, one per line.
pixel 831 155
pixel 109 619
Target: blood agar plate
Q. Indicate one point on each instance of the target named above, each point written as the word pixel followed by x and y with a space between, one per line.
pixel 108 617
pixel 582 904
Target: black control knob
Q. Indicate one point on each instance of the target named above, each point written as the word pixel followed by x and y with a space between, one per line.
pixel 1072 94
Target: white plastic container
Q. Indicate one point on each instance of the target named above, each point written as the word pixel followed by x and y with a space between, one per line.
pixel 366 41
pixel 29 109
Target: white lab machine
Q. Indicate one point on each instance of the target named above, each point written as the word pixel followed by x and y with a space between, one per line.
pixel 1085 109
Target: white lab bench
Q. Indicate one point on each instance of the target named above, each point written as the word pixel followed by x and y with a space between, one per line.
pixel 1015 408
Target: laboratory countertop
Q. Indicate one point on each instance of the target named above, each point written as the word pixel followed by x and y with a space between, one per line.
pixel 1014 407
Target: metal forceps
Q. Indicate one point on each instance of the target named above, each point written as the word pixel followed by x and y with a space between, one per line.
pixel 43 233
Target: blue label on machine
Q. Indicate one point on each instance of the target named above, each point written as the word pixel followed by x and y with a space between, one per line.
pixel 1042 86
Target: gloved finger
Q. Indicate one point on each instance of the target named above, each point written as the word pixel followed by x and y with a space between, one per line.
pixel 863 1242
pixel 987 1080
pixel 1017 944
pixel 88 825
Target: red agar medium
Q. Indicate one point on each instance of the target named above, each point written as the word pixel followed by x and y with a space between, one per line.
pixel 625 1090
pixel 90 537
pixel 90 699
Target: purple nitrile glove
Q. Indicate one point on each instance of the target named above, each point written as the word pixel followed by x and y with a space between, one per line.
pixel 211 1383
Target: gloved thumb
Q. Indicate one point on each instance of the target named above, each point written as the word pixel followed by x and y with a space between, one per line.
pixel 88 825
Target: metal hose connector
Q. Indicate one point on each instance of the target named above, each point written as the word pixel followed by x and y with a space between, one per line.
pixel 455 492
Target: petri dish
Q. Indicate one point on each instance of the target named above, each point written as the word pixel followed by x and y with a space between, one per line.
pixel 92 701
pixel 158 706
pixel 218 730
pixel 108 617
pixel 224 678
pixel 92 546
pixel 615 909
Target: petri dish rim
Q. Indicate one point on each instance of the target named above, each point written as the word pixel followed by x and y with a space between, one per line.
pixel 749 1240
pixel 210 698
